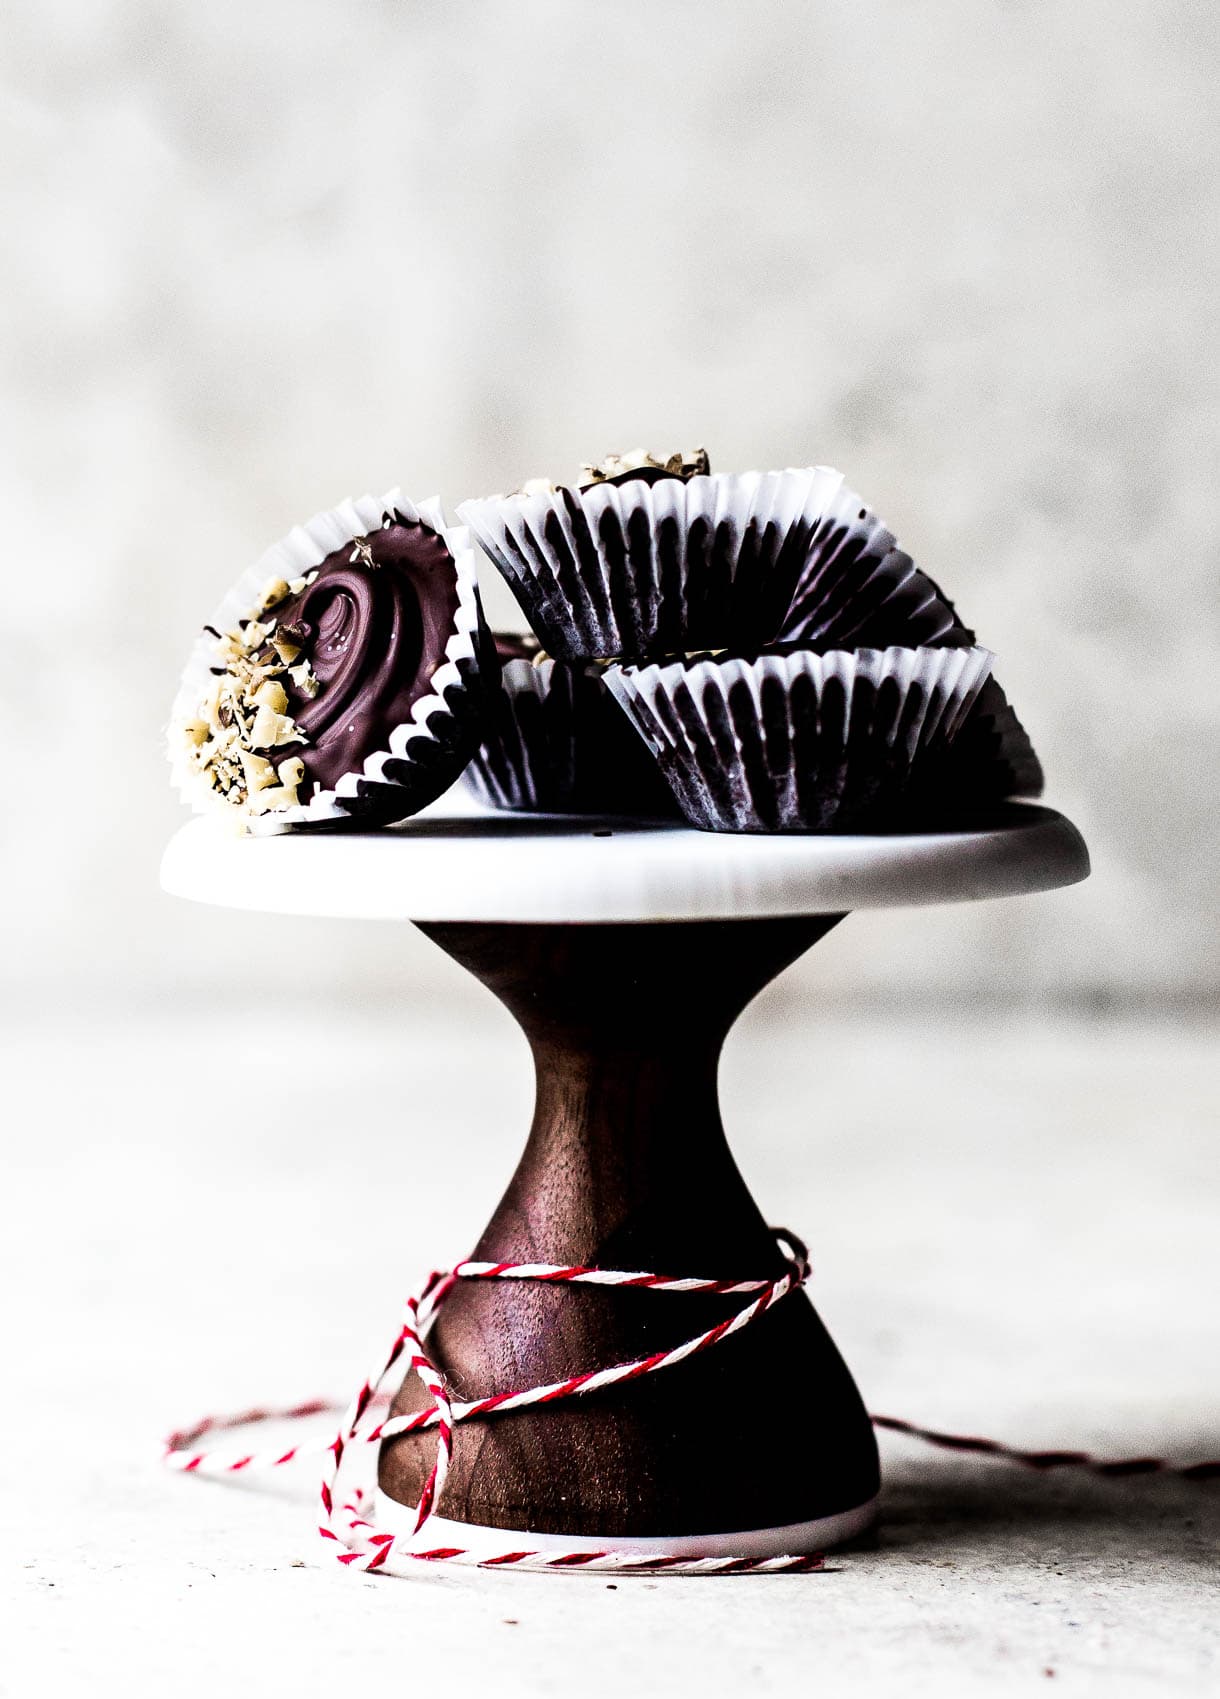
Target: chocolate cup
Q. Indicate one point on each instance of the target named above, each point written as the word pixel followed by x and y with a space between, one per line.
pixel 405 680
pixel 555 742
pixel 791 557
pixel 645 568
pixel 855 592
pixel 798 741
pixel 434 752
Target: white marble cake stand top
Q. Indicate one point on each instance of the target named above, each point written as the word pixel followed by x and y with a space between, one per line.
pixel 458 862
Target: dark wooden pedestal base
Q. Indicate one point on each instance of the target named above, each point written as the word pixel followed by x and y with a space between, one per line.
pixel 627 1167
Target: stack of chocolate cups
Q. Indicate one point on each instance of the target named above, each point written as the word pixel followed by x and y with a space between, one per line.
pixel 784 666
pixel 750 651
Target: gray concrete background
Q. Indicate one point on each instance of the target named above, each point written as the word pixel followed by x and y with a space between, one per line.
pixel 262 256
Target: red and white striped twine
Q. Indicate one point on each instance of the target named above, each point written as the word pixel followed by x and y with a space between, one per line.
pixel 1044 1461
pixel 347 1509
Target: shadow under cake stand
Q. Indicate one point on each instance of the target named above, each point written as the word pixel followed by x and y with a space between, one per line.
pixel 626 952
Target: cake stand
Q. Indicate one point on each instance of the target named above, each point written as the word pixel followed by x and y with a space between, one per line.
pixel 626 951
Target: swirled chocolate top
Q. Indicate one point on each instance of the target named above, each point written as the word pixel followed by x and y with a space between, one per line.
pixel 372 626
pixel 327 667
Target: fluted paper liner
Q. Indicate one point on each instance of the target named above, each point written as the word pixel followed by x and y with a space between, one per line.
pixel 799 741
pixel 854 593
pixel 990 758
pixel 426 753
pixel 858 590
pixel 555 742
pixel 718 560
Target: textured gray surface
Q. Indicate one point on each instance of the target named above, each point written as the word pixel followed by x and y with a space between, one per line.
pixel 272 254
pixel 1012 1231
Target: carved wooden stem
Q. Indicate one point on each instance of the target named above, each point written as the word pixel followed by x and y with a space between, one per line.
pixel 627 1167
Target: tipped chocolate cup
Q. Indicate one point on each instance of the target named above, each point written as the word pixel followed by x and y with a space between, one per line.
pixel 797 741
pixel 386 693
pixel 555 742
pixel 678 564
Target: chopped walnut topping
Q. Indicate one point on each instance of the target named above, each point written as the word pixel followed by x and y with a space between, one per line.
pixel 304 679
pixel 692 465
pixel 259 773
pixel 275 796
pixel 245 711
pixel 271 729
pixel 271 694
pixel 273 593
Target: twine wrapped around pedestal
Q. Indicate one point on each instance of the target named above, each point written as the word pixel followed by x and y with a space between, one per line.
pixel 347 1505
pixel 347 1510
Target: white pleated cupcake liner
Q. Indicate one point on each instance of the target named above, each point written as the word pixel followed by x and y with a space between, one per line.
pixel 715 561
pixel 425 753
pixel 798 742
pixel 527 759
pixel 554 742
pixel 990 758
pixel 859 590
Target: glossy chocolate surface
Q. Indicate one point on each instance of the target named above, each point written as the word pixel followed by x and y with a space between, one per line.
pixel 374 625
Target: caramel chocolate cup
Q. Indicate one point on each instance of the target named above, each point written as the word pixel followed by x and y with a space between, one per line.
pixel 555 742
pixel 390 624
pixel 797 741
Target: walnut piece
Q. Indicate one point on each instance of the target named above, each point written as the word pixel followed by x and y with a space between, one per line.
pixel 245 713
pixel 692 465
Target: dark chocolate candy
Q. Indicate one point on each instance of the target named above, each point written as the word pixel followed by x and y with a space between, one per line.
pixel 374 624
